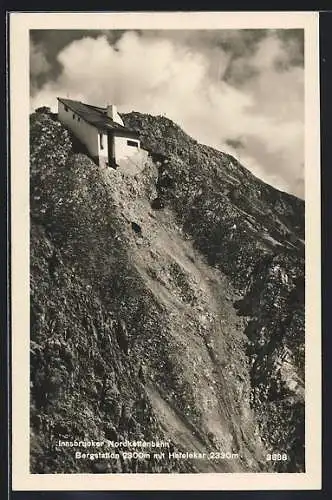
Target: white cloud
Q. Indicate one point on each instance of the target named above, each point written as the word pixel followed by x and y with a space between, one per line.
pixel 159 75
pixel 38 61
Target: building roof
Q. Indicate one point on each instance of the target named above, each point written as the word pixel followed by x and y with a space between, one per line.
pixel 96 116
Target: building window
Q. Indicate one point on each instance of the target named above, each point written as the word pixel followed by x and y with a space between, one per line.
pixel 73 116
pixel 78 119
pixel 101 141
pixel 66 109
pixel 132 143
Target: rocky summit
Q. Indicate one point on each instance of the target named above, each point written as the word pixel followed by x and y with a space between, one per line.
pixel 167 309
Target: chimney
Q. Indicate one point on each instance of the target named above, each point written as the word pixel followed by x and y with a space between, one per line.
pixel 113 113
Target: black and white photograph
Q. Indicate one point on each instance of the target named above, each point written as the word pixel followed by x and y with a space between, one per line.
pixel 168 262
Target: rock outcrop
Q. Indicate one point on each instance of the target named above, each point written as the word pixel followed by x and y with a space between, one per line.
pixel 167 304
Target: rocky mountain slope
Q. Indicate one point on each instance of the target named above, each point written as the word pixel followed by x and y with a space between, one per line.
pixel 167 304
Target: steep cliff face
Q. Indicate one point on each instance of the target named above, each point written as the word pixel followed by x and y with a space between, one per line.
pixel 253 234
pixel 166 304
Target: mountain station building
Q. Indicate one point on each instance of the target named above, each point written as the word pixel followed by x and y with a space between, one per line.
pixel 100 130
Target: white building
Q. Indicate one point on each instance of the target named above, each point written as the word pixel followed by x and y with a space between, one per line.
pixel 101 130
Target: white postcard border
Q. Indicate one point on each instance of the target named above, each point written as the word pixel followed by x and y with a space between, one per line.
pixel 20 24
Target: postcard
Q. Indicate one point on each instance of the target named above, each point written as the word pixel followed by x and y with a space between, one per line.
pixel 165 202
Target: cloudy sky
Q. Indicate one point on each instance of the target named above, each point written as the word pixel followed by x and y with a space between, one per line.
pixel 240 91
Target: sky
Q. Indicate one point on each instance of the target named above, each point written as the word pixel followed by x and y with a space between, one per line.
pixel 240 91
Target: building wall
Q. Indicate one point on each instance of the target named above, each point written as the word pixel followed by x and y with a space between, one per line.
pixel 103 149
pixel 123 150
pixel 135 164
pixel 85 132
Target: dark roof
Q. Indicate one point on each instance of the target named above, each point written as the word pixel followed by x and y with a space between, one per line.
pixel 96 116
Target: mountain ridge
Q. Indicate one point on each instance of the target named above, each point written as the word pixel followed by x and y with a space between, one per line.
pixel 185 281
